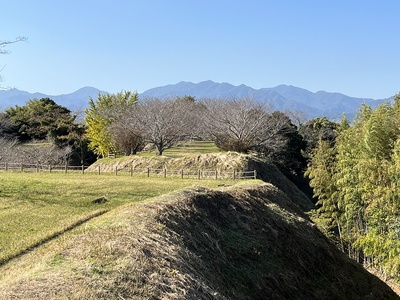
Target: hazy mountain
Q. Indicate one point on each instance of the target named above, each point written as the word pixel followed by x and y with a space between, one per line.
pixel 74 101
pixel 281 97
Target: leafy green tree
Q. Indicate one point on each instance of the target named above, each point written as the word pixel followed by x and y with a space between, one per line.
pixel 287 153
pixel 7 129
pixel 79 142
pixel 315 130
pixel 104 112
pixel 320 171
pixel 358 192
pixel 41 119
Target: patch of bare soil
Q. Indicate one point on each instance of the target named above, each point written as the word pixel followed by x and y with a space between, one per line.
pixel 242 242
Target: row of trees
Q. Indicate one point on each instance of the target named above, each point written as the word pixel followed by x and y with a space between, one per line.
pixel 356 178
pixel 122 123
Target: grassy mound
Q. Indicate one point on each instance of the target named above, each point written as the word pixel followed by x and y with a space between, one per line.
pixel 214 161
pixel 221 161
pixel 248 241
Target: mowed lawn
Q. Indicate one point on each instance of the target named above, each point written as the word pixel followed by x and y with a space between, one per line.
pixel 190 148
pixel 35 207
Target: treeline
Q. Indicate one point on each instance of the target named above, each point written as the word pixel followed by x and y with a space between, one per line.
pixel 356 178
pixel 123 123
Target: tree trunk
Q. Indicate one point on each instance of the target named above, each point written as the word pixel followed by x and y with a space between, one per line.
pixel 159 150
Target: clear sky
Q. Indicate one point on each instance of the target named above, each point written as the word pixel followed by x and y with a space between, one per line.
pixel 345 46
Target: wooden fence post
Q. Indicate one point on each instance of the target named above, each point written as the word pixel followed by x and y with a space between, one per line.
pixel 66 168
pixel 199 174
pixel 216 174
pixel 182 174
pixel 37 168
pixel 165 173
pixel 148 172
pixel 131 171
pixel 234 174
pixel 83 169
pixel 116 171
pixel 6 166
pixel 255 174
pixel 99 170
pixel 49 168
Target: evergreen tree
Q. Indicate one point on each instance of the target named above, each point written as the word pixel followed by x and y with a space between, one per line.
pixel 41 119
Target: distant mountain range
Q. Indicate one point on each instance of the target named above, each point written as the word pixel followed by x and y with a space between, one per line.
pixel 282 97
pixel 74 101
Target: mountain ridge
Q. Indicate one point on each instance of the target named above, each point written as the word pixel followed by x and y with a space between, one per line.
pixel 74 101
pixel 282 97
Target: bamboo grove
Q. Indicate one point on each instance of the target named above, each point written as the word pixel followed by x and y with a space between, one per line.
pixel 356 180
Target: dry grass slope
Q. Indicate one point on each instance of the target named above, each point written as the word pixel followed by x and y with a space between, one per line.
pixel 226 161
pixel 248 241
pixel 219 161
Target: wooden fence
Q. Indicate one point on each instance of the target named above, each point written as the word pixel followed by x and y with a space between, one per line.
pixel 163 172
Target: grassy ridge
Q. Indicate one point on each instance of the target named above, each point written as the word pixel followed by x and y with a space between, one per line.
pixel 249 241
pixel 35 207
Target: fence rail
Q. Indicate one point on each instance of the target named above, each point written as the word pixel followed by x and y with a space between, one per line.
pixel 131 171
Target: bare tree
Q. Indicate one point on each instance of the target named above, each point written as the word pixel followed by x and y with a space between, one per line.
pixel 244 124
pixel 164 123
pixel 297 117
pixel 7 147
pixel 42 154
pixel 235 124
pixel 13 152
pixel 126 135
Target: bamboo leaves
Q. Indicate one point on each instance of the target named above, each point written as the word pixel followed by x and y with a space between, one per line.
pixel 356 182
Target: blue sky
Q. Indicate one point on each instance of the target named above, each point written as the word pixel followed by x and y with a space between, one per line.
pixel 350 47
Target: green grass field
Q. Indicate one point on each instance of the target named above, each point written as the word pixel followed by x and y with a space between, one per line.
pixel 190 148
pixel 34 207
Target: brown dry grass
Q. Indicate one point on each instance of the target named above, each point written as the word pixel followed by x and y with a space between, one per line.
pixel 227 161
pixel 244 242
pixel 213 161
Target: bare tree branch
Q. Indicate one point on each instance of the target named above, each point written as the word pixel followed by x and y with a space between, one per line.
pixel 5 43
pixel 164 123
